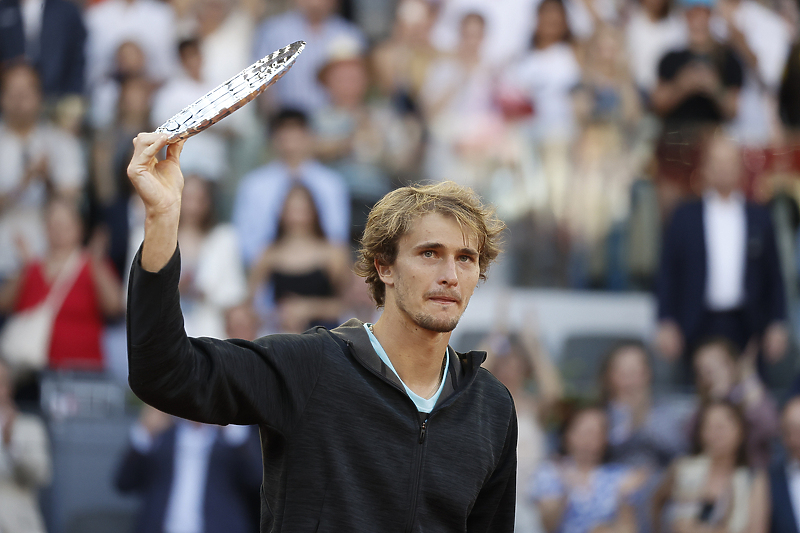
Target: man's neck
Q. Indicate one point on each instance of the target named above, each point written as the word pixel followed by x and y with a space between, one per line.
pixel 417 354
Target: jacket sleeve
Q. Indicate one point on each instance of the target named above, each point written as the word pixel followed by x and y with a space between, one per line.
pixel 208 380
pixel 494 509
pixel 669 270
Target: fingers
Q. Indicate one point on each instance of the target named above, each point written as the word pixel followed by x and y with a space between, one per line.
pixel 174 151
pixel 145 148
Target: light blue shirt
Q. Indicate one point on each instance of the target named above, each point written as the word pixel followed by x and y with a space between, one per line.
pixel 262 193
pixel 423 405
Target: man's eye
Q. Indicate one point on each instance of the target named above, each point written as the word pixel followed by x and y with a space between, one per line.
pixel 427 253
pixel 466 258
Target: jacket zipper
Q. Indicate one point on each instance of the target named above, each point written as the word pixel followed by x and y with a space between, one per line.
pixel 423 429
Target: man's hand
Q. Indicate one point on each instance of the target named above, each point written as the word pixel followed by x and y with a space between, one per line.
pixel 669 340
pixel 159 184
pixel 776 341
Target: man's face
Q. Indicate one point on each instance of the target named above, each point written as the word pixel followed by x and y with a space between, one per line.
pixel 434 274
pixel 21 99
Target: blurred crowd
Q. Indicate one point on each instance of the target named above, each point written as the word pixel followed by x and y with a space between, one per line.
pixel 649 145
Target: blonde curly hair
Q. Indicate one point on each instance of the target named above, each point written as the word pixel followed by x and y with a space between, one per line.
pixel 392 216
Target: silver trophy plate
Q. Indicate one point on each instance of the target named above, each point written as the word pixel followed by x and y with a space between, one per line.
pixel 231 95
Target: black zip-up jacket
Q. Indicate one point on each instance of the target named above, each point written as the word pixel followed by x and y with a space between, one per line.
pixel 344 447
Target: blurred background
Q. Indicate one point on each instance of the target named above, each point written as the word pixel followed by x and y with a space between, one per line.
pixel 644 154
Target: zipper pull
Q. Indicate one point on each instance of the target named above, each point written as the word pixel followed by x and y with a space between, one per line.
pixel 422 430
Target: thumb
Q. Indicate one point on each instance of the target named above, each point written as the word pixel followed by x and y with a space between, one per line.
pixel 174 151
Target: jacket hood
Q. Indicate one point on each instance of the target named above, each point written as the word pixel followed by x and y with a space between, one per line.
pixel 462 371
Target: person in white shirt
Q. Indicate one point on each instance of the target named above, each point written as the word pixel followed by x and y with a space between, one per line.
pixel 35 157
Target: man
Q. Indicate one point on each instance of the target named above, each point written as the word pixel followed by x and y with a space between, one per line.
pixel 699 84
pixel 784 476
pixel 263 191
pixel 366 427
pixel 192 478
pixel 720 274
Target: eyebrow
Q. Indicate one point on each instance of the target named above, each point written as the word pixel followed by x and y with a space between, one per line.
pixel 438 246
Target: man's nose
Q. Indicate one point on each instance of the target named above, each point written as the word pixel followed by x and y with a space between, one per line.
pixel 448 275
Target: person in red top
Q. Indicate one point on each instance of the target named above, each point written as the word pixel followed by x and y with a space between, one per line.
pixel 94 295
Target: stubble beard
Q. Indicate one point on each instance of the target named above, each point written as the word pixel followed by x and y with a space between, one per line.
pixel 424 320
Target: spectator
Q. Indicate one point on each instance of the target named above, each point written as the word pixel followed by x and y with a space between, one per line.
pixel 111 152
pixel 698 84
pixel 307 273
pixel 24 463
pixel 148 23
pixel 353 135
pixel 401 62
pixel 207 152
pixel 261 193
pixel 212 274
pixel 34 157
pixel 129 62
pixel 652 30
pixel 761 40
pixel 95 293
pixel 547 74
pixel 51 35
pixel 580 492
pixel 191 477
pixel 643 431
pixel 720 274
pixel 783 475
pixel 225 33
pixel 316 23
pixel 457 100
pixel 714 490
pixel 723 374
pixel 516 360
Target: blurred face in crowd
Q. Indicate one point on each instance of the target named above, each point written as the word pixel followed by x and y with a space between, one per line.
pixel 21 99
pixel 512 368
pixel 721 434
pixel 134 99
pixel 317 11
pixel 212 13
pixel 130 59
pixel 790 427
pixel 299 213
pixel 656 8
pixel 64 225
pixel 241 322
pixel 722 167
pixel 551 24
pixel 434 274
pixel 196 201
pixel 347 82
pixel 629 373
pixel 585 439
pixel 414 20
pixel 293 142
pixel 192 61
pixel 697 22
pixel 473 29
pixel 715 371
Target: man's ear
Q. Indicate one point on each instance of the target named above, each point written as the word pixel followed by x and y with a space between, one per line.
pixel 385 272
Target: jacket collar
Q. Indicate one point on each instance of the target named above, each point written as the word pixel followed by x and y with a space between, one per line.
pixel 463 366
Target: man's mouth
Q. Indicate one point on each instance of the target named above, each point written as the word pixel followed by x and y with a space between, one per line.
pixel 444 299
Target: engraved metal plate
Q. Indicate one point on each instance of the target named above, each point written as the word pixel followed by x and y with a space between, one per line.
pixel 231 95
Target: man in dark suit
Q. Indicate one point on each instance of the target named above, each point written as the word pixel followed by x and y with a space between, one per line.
pixel 193 478
pixel 49 34
pixel 720 273
pixel 784 476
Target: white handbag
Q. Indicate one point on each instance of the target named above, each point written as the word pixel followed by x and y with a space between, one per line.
pixel 25 337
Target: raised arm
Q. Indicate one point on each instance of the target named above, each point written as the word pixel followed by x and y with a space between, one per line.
pixel 218 382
